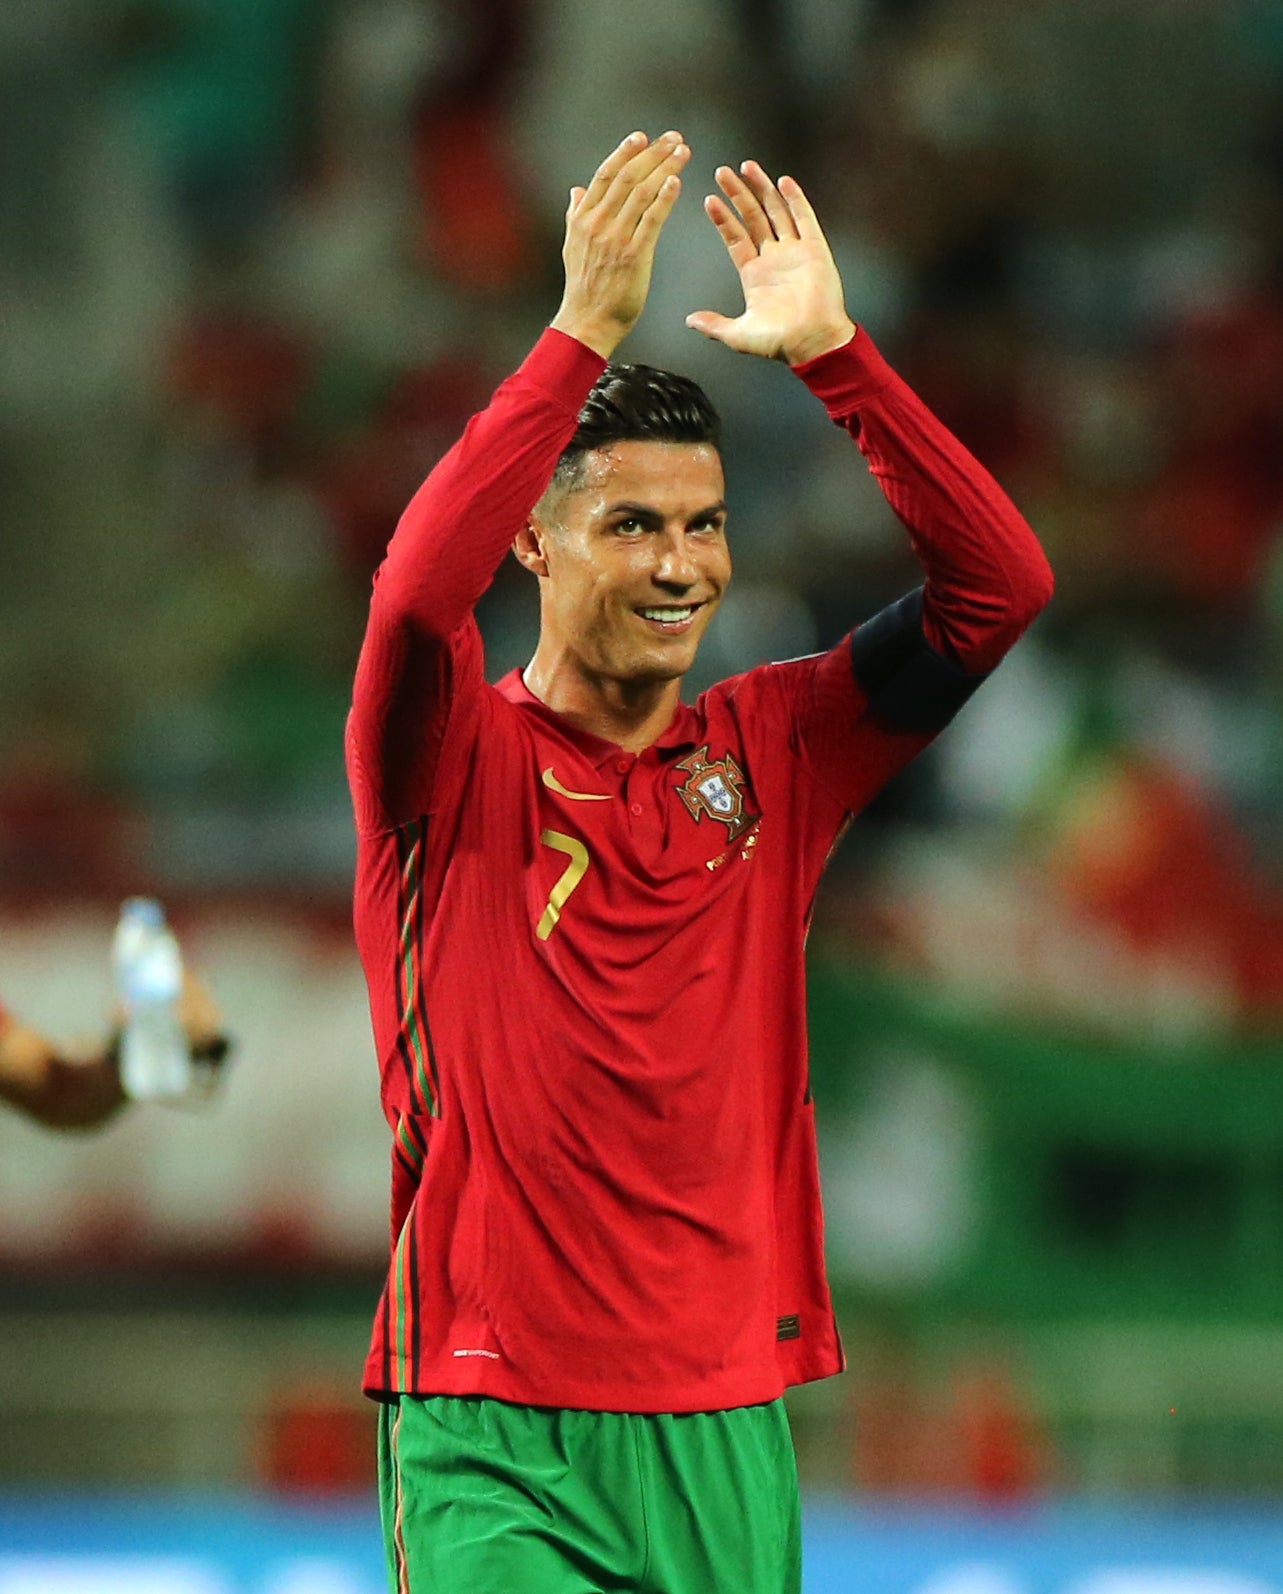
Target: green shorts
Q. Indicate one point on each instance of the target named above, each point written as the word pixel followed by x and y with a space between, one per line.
pixel 482 1497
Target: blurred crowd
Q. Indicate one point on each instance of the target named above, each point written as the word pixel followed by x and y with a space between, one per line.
pixel 260 259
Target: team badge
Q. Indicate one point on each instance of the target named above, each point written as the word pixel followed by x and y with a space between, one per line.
pixel 716 789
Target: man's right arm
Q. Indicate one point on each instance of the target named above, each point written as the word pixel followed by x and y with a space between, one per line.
pixel 419 680
pixel 420 670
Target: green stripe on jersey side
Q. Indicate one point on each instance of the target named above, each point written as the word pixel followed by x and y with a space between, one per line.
pixel 413 1152
pixel 413 1025
pixel 402 1306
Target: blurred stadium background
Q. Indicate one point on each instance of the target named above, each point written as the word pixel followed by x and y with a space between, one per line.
pixel 259 259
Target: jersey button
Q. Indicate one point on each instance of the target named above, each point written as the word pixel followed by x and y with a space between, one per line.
pixel 635 808
pixel 621 766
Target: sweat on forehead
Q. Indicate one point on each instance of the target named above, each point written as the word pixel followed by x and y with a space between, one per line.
pixel 587 468
pixel 637 469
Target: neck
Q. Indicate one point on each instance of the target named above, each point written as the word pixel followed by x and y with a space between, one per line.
pixel 632 714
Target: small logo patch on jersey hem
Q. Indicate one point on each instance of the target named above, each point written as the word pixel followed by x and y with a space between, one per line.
pixel 715 789
pixel 553 784
pixel 492 1355
pixel 787 1327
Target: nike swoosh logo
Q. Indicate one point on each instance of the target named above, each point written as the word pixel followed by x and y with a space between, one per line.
pixel 553 784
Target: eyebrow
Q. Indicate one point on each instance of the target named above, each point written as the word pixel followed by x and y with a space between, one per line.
pixel 649 512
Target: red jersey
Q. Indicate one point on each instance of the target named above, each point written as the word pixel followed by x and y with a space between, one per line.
pixel 585 965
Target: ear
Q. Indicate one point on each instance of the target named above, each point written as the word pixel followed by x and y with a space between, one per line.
pixel 528 545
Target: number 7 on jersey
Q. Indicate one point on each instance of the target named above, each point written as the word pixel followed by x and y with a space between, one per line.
pixel 571 875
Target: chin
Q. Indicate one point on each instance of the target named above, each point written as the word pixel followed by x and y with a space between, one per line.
pixel 669 665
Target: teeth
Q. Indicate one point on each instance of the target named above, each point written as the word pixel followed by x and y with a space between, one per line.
pixel 668 614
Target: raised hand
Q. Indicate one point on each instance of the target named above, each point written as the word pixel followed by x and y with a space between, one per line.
pixel 612 227
pixel 793 304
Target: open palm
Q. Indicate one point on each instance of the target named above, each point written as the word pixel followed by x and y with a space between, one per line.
pixel 793 301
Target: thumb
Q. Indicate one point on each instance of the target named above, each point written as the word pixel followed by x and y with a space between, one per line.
pixel 710 324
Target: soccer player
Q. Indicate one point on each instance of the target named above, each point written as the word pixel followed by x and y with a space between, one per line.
pixel 82 1091
pixel 581 906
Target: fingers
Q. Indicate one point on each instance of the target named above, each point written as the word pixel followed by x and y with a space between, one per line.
pixel 612 166
pixel 768 196
pixel 627 169
pixel 639 202
pixel 734 235
pixel 658 211
pixel 752 217
pixel 758 203
pixel 804 217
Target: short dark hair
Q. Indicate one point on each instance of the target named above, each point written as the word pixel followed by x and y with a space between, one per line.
pixel 638 402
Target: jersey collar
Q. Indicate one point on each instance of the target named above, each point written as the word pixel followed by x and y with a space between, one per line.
pixel 679 737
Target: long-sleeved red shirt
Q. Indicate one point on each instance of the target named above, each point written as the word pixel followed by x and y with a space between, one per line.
pixel 585 965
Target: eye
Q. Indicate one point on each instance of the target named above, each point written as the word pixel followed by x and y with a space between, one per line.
pixel 629 526
pixel 710 525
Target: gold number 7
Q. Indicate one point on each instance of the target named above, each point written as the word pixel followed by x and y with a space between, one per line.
pixel 571 875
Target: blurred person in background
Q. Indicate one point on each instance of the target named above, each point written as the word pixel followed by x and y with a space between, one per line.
pixel 81 1088
pixel 582 906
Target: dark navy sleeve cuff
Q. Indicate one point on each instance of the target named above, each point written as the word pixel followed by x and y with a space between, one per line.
pixel 909 686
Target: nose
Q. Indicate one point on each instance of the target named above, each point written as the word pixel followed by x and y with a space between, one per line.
pixel 675 565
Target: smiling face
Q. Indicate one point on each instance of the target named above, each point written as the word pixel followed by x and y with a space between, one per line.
pixel 632 559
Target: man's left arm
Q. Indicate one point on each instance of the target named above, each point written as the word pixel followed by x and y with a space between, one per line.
pixel 985 576
pixel 866 709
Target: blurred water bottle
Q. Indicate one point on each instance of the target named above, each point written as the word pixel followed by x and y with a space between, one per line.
pixel 155 1061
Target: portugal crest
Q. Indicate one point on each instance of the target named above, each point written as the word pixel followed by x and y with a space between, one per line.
pixel 716 789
